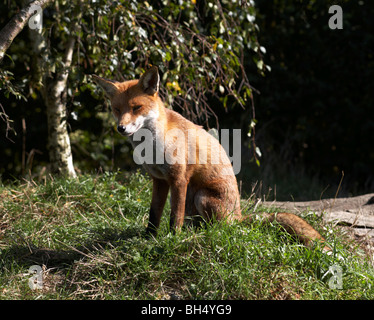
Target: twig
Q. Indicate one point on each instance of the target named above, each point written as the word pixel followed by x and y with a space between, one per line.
pixel 337 191
pixel 7 121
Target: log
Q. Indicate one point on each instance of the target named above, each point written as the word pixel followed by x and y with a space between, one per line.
pixel 350 218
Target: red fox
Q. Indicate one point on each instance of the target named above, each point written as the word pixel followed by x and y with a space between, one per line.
pixel 199 184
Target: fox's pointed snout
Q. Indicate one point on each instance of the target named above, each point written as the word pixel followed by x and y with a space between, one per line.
pixel 122 130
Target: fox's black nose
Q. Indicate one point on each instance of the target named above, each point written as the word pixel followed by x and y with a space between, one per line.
pixel 121 129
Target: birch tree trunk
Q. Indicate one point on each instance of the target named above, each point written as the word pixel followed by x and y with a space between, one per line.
pixel 54 89
pixel 54 92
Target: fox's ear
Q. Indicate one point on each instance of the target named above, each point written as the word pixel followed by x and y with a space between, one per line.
pixel 150 81
pixel 109 86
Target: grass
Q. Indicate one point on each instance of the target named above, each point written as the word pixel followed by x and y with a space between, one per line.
pixel 87 234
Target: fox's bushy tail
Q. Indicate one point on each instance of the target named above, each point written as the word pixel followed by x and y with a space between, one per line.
pixel 295 226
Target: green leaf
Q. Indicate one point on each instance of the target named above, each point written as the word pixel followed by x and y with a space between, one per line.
pixel 168 56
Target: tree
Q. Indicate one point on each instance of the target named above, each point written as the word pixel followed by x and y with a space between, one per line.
pixel 54 91
pixel 7 35
pixel 200 49
pixel 54 87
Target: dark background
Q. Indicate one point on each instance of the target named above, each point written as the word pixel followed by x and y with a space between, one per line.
pixel 315 111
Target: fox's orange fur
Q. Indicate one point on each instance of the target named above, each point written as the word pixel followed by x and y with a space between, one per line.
pixel 201 188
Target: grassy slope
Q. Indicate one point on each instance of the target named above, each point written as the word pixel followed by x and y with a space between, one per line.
pixel 88 235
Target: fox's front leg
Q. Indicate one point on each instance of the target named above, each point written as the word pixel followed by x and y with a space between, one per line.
pixel 159 195
pixel 178 203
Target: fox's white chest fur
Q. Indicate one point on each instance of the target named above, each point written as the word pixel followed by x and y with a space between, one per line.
pixel 149 140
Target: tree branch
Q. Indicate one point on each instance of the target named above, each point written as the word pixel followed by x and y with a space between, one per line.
pixel 16 24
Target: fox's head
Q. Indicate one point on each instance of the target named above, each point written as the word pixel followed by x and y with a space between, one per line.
pixel 134 103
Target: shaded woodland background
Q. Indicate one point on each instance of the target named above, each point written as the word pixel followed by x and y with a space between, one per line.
pixel 312 88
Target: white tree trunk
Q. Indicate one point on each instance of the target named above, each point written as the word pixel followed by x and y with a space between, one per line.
pixel 54 95
pixel 60 156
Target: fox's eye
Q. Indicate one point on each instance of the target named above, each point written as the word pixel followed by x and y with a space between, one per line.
pixel 136 108
pixel 116 110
